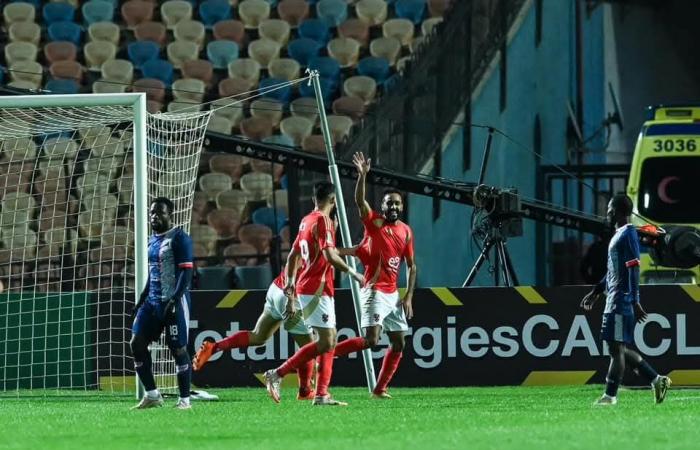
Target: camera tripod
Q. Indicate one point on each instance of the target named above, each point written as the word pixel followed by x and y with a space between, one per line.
pixel 502 264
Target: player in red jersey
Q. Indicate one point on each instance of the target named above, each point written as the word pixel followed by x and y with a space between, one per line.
pixel 387 241
pixel 315 246
pixel 273 315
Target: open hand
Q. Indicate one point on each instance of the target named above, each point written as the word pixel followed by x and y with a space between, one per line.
pixel 589 300
pixel 407 304
pixel 361 163
pixel 290 309
pixel 639 314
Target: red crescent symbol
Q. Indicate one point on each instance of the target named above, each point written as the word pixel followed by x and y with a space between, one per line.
pixel 662 190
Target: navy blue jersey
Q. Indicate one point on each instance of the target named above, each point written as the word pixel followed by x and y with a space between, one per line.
pixel 168 254
pixel 622 282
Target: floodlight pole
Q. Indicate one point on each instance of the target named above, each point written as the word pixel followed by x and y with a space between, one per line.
pixel 343 219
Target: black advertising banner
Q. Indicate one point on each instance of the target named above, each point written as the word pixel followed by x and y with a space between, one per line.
pixel 471 337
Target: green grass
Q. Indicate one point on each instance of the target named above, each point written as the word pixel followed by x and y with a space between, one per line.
pixel 425 418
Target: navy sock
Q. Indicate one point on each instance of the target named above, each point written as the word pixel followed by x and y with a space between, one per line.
pixel 143 369
pixel 647 371
pixel 611 387
pixel 184 373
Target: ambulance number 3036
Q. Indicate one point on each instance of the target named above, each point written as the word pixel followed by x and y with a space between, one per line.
pixel 675 145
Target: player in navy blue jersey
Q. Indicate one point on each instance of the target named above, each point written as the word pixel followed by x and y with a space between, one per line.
pixel 164 304
pixel 622 306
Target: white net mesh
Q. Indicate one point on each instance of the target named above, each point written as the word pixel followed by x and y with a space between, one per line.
pixel 67 240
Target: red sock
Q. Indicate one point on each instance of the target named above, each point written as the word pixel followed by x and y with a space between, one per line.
pixel 305 354
pixel 305 372
pixel 325 371
pixel 350 346
pixel 236 340
pixel 389 366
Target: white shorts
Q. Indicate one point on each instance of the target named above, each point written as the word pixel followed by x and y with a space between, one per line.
pixel 319 311
pixel 382 309
pixel 276 303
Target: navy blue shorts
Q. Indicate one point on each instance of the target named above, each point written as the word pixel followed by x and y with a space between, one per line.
pixel 152 318
pixel 618 328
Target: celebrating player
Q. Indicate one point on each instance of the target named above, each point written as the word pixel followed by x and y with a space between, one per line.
pixel 164 303
pixel 386 242
pixel 273 315
pixel 315 245
pixel 622 305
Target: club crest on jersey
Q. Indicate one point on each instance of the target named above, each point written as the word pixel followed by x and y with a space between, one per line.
pixel 324 317
pixel 376 317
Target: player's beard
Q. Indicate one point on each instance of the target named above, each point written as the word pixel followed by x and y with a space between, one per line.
pixel 392 215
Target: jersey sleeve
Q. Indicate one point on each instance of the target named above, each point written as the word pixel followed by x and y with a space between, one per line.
pixel 371 217
pixel 325 233
pixel 631 249
pixel 408 251
pixel 182 251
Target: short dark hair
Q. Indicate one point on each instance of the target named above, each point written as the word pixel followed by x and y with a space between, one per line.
pixel 622 203
pixel 165 201
pixel 323 190
pixel 390 191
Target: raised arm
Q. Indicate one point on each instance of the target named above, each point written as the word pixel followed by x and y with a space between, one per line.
pixel 362 166
pixel 332 256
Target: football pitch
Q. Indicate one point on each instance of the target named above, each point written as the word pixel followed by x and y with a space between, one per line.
pixel 425 418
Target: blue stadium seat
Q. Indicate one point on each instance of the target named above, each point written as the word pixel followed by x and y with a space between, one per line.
pixel 328 90
pixel 280 139
pixel 253 277
pixel 284 181
pixel 332 12
pixel 58 12
pixel 98 11
pixel 141 51
pixel 212 11
pixel 65 31
pixel 215 278
pixel 266 216
pixel 159 69
pixel 373 67
pixel 283 95
pixel 413 10
pixel 62 87
pixel 315 29
pixel 221 53
pixel 328 68
pixel 303 49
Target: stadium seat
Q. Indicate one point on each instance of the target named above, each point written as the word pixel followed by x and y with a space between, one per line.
pixel 296 128
pixel 373 67
pixel 119 70
pixel 259 165
pixel 173 11
pixel 234 87
pixel 332 12
pixel 245 68
pixel 305 107
pixel 67 70
pixel 416 43
pixel 274 219
pixel 151 31
pixel 293 11
pixel 234 199
pixel 401 29
pixel 18 150
pixel 136 11
pixel 275 30
pixel 315 143
pixel 177 106
pixel 59 51
pixel 232 30
pixel 98 52
pixel 364 88
pixel 200 70
pixel 281 93
pixel 232 165
pixel 65 31
pixel 179 52
pixel 256 235
pixel 344 50
pixel 263 51
pixel 96 11
pixel 200 203
pixel 315 29
pixel 257 186
pixel 230 110
pixel 354 29
pixel 189 90
pixel 256 277
pixel 303 49
pixel 328 90
pixel 20 51
pixel 269 109
pixel 225 222
pixel 62 87
pixel 437 8
pixel 222 53
pixel 58 12
pixel 280 200
pixel 158 69
pixel 215 278
pixel 388 48
pixel 371 12
pixel 141 51
pixel 213 183
pixel 328 68
pixel 252 12
pixel 190 30
pixel 413 10
pixel 284 69
pixel 255 128
pixel 205 235
pixel 104 31
pixel 340 127
pixel 154 89
pixel 25 32
pixel 18 12
pixel 212 11
pixel 240 255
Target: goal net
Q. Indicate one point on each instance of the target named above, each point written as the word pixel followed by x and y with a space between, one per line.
pixel 76 176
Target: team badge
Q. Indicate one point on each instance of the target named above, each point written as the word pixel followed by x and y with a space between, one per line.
pixel 324 317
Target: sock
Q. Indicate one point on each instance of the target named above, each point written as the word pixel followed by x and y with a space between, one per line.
pixel 184 373
pixel 647 371
pixel 325 371
pixel 305 372
pixel 305 354
pixel 389 366
pixel 350 346
pixel 236 340
pixel 153 395
pixel 143 369
pixel 611 387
